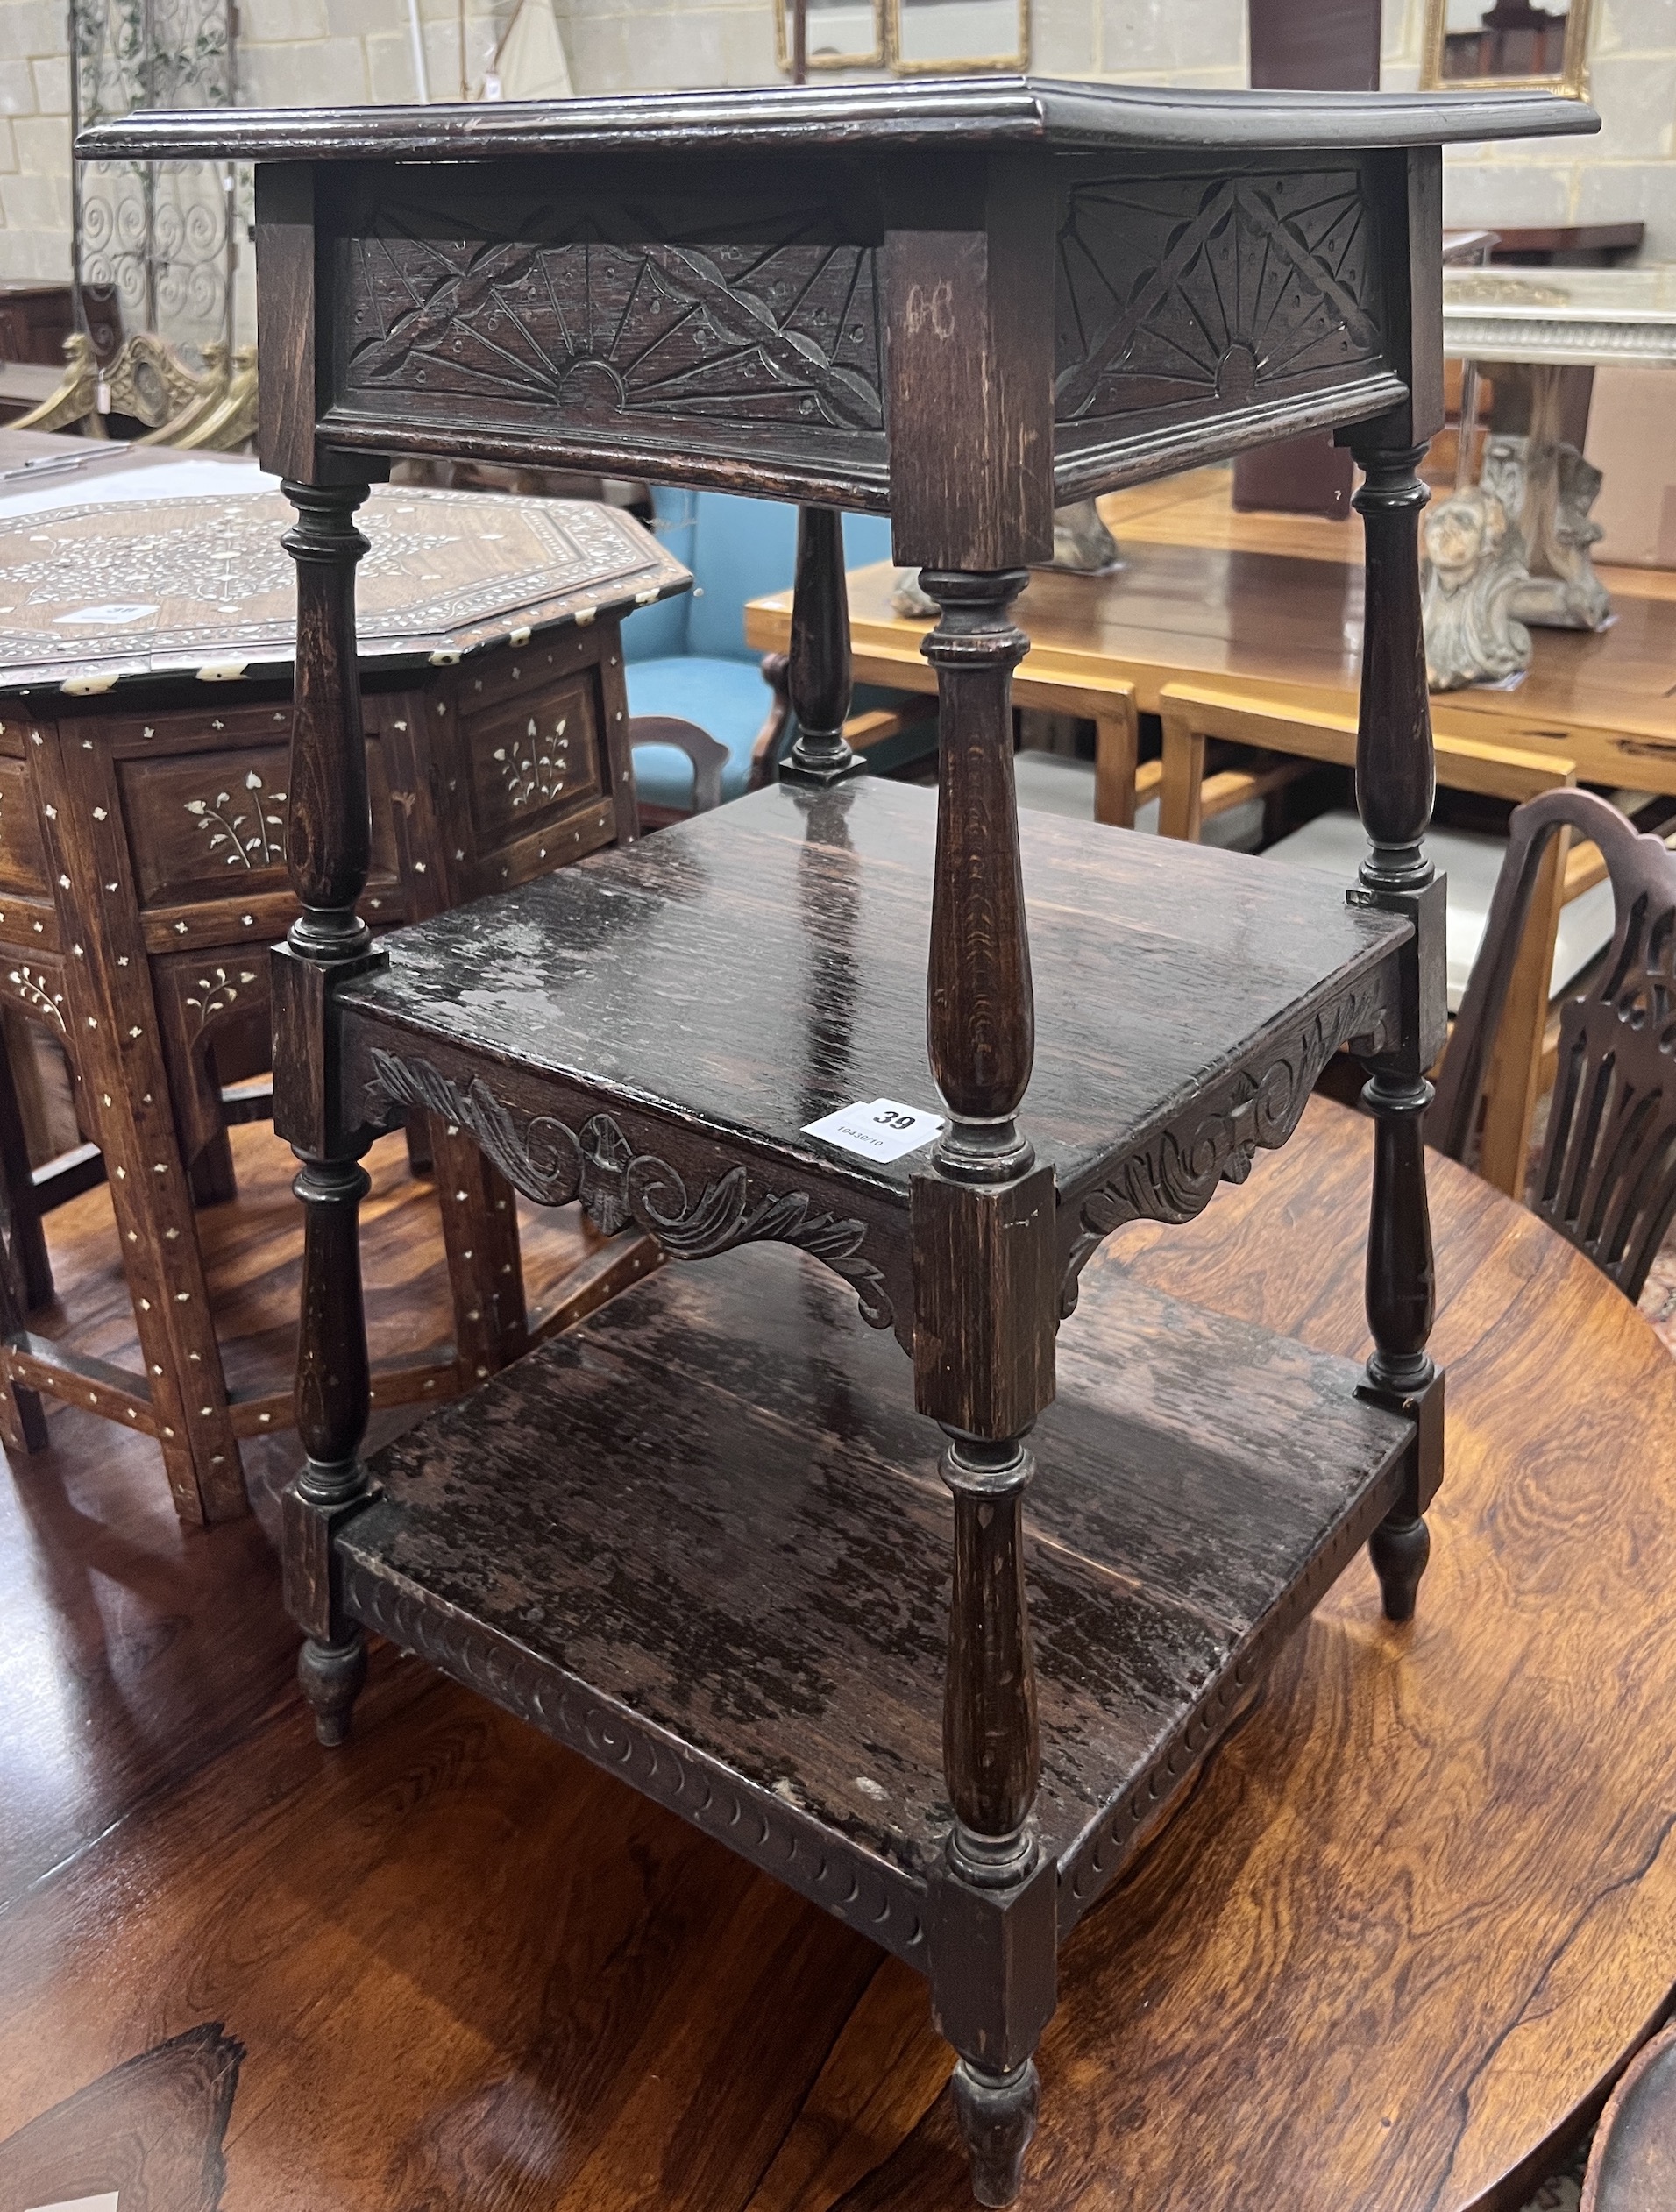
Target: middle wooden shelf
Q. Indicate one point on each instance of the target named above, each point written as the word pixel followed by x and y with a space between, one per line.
pixel 654 1029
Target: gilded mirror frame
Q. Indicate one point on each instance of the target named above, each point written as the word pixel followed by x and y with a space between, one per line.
pixel 874 59
pixel 1572 80
pixel 966 64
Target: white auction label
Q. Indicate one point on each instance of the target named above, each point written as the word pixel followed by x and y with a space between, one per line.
pixel 882 1129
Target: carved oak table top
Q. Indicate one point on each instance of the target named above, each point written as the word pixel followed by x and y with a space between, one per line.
pixel 101 592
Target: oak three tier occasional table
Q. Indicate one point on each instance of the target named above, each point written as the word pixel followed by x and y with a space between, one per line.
pixel 927 1061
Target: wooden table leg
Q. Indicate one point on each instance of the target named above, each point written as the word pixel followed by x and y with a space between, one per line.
pixel 329 849
pixel 115 1035
pixel 484 1264
pixel 26 1241
pixel 985 1299
pixel 1396 780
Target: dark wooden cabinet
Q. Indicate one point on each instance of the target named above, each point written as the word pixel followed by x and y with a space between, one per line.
pixel 705 1541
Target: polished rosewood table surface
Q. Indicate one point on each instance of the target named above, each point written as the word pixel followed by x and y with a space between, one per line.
pixel 1275 602
pixel 1408 2013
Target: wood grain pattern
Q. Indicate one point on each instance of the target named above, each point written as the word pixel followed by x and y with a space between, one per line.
pixel 1276 603
pixel 1415 1890
pixel 695 897
pixel 997 110
pixel 857 1660
pixel 1409 1881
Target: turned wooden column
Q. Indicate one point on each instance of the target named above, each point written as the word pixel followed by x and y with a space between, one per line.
pixel 329 850
pixel 1395 785
pixel 980 1010
pixel 818 668
pixel 984 1304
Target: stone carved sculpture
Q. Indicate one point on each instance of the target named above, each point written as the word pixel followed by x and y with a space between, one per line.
pixel 1082 546
pixel 1551 488
pixel 1082 542
pixel 1472 570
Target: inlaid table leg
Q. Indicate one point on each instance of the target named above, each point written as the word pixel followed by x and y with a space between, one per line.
pixel 26 1240
pixel 115 1033
pixel 984 1368
pixel 1394 786
pixel 329 850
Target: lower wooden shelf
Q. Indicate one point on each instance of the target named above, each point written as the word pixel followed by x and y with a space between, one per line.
pixel 703 1539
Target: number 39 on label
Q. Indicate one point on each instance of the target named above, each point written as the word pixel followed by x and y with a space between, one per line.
pixel 882 1129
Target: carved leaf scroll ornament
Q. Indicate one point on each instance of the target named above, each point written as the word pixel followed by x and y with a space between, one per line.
pixel 552 1164
pixel 1175 1178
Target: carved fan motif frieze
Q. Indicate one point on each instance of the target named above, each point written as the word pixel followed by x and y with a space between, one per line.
pixel 783 332
pixel 1230 289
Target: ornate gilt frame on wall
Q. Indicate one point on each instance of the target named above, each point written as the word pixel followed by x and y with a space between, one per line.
pixel 1572 80
pixel 874 59
pixel 1019 58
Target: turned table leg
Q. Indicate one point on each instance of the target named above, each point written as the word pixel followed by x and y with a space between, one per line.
pixel 328 851
pixel 1394 786
pixel 985 1306
pixel 818 668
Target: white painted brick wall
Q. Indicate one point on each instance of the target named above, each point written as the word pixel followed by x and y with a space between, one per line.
pixel 320 52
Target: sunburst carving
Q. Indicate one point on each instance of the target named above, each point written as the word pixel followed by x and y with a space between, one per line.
pixel 777 332
pixel 1222 288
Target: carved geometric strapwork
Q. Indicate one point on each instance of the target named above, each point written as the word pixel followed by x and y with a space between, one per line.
pixel 1176 293
pixel 1175 1177
pixel 576 329
pixel 552 1164
pixel 791 1844
pixel 254 838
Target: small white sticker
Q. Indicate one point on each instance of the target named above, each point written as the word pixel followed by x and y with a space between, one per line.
pixel 882 1129
pixel 121 612
pixel 106 2203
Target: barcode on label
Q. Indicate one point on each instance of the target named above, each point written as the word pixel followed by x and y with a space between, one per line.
pixel 882 1129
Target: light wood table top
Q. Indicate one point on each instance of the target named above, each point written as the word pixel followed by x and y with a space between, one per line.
pixel 1416 1912
pixel 1275 602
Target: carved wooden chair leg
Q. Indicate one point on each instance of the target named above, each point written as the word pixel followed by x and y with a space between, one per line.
pixel 1394 785
pixel 328 847
pixel 984 1259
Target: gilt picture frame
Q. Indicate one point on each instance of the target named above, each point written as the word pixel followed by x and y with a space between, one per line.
pixel 1570 79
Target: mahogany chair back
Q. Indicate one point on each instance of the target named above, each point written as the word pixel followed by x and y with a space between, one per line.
pixel 1293 736
pixel 1607 1180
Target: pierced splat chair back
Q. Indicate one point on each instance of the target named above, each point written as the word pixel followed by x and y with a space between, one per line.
pixel 1607 1177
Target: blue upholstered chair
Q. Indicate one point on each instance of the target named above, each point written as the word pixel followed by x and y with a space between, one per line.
pixel 686 659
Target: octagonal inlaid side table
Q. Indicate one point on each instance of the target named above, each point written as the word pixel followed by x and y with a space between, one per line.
pixel 145 651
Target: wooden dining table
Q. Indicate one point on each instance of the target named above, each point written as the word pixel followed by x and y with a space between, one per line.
pixel 1274 602
pixel 1417 1912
